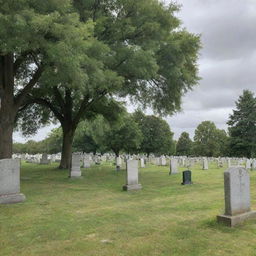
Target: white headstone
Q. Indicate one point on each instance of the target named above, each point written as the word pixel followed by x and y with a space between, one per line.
pixel 173 166
pixel 205 164
pixel 132 176
pixel 10 181
pixel 248 164
pixel 142 163
pixel 75 170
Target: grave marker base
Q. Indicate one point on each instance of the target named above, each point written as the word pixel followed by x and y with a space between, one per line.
pixel 232 221
pixel 132 187
pixel 12 198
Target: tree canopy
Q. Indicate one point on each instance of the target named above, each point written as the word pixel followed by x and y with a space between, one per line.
pixel 242 126
pixel 136 49
pixel 157 136
pixel 184 145
pixel 208 140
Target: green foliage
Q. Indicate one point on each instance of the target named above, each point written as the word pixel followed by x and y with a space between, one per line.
pixel 124 135
pixel 51 144
pixel 242 126
pixel 157 136
pixel 90 135
pixel 184 145
pixel 209 141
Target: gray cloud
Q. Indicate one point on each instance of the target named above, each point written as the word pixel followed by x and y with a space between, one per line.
pixel 227 61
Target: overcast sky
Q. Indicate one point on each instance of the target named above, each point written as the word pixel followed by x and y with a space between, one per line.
pixel 227 61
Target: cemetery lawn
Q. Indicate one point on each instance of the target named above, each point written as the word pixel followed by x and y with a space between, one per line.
pixel 93 216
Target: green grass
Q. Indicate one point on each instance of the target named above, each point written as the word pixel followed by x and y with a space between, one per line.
pixel 93 216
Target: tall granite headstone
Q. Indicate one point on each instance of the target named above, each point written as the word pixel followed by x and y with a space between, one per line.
pixel 237 197
pixel 10 181
pixel 75 170
pixel 186 178
pixel 44 159
pixel 132 176
pixel 173 166
pixel 205 164
pixel 118 163
pixel 142 163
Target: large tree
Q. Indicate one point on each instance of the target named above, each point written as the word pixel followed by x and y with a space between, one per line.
pixel 184 145
pixel 208 140
pixel 139 50
pixel 124 135
pixel 157 136
pixel 242 126
pixel 37 39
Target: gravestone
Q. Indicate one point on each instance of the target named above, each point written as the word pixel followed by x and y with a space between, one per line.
pixel 173 166
pixel 86 162
pixel 254 165
pixel 162 161
pixel 186 178
pixel 75 170
pixel 132 176
pixel 142 163
pixel 248 164
pixel 205 164
pixel 118 163
pixel 237 197
pixel 10 181
pixel 220 163
pixel 229 162
pixel 44 159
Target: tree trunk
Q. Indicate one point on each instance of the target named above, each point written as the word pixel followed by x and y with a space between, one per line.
pixel 6 130
pixel 66 154
pixel 8 110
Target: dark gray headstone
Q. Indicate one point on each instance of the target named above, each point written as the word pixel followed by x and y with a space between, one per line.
pixel 186 178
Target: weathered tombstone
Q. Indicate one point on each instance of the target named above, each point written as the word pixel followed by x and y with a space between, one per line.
pixel 118 163
pixel 205 164
pixel 173 166
pixel 220 163
pixel 10 181
pixel 186 178
pixel 162 160
pixel 229 162
pixel 44 159
pixel 75 171
pixel 132 176
pixel 248 164
pixel 86 162
pixel 237 197
pixel 254 165
pixel 142 163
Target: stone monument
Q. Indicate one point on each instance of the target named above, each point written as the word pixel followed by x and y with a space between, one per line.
pixel 173 166
pixel 186 178
pixel 44 159
pixel 75 170
pixel 132 176
pixel 10 181
pixel 237 197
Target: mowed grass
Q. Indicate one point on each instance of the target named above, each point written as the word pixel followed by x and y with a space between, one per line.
pixel 93 216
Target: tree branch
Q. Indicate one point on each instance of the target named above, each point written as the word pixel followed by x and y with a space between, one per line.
pixel 47 104
pixel 19 61
pixel 21 96
pixel 59 98
pixel 86 105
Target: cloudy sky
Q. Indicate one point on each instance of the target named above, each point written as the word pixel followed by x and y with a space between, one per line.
pixel 227 61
